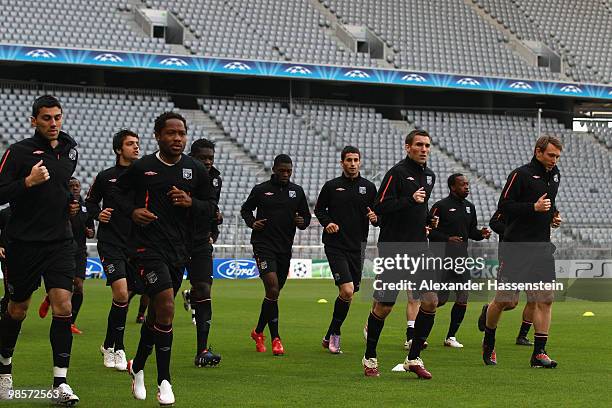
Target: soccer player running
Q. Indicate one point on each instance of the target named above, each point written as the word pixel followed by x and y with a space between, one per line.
pixel 34 175
pixel 528 204
pixel 344 209
pixel 5 214
pixel 200 266
pixel 498 226
pixel 82 228
pixel 401 204
pixel 456 224
pixel 281 207
pixel 163 192
pixel 113 233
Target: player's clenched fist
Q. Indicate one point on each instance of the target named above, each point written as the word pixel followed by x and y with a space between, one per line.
pixel 543 204
pixel 419 195
pixel 38 175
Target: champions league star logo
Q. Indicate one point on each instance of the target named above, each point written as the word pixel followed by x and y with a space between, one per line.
pixel 414 78
pixel 468 81
pixel 297 69
pixel 571 89
pixel 107 57
pixel 520 85
pixel 356 74
pixel 236 65
pixel 173 62
pixel 40 53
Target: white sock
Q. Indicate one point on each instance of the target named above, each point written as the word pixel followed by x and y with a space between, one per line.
pixel 411 324
pixel 61 372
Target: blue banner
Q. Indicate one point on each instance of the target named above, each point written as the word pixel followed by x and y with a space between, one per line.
pixel 186 63
pixel 94 269
pixel 235 269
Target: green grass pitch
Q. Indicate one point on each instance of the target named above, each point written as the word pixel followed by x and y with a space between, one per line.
pixel 308 376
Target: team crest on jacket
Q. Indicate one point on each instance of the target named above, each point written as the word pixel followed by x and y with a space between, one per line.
pixel 292 194
pixel 556 178
pixel 215 182
pixel 467 210
pixel 362 190
pixel 72 154
pixel 187 174
pixel 429 180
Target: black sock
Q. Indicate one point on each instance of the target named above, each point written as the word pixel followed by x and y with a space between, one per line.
pixel 119 311
pixel 145 347
pixel 77 301
pixel 539 343
pixel 163 351
pixel 375 326
pixel 273 319
pixel 525 326
pixel 142 307
pixel 203 316
pixel 109 340
pixel 341 308
pixel 264 315
pixel 489 337
pixel 61 344
pixel 422 327
pixel 9 331
pixel 457 314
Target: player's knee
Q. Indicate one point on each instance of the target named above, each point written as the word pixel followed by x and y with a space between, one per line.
pixel 200 291
pixel 17 311
pixel 382 309
pixel 429 306
pixel 164 310
pixel 62 307
pixel 272 292
pixel 508 305
pixel 346 293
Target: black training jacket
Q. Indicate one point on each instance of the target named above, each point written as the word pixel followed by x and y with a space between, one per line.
pixel 457 218
pixel 150 180
pixel 345 202
pixel 117 230
pixel 79 223
pixel 278 204
pixel 207 227
pixel 403 219
pixel 523 188
pixel 39 213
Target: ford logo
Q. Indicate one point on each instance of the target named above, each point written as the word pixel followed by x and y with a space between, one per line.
pixel 94 268
pixel 238 269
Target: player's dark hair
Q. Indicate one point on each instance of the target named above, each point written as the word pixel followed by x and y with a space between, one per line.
pixel 45 101
pixel 347 150
pixel 74 178
pixel 120 137
pixel 543 142
pixel 452 178
pixel 416 132
pixel 201 144
pixel 160 121
pixel 282 158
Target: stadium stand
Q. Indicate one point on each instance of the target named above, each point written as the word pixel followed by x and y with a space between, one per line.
pixel 445 36
pixel 574 29
pixel 83 24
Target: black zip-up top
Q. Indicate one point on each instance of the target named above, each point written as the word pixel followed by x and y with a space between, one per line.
pixel 345 202
pixel 5 214
pixel 497 224
pixel 39 213
pixel 278 204
pixel 117 230
pixel 457 218
pixel 79 223
pixel 150 180
pixel 401 218
pixel 207 227
pixel 523 188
